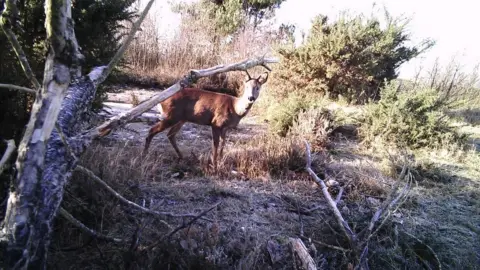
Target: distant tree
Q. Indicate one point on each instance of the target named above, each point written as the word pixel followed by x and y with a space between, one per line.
pixel 286 33
pixel 351 57
pixel 228 16
pixel 254 9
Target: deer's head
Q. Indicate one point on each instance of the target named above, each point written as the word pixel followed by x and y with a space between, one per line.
pixel 253 86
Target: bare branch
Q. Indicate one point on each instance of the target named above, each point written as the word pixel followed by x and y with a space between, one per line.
pixel 7 155
pixel 325 244
pixel 333 206
pixel 387 204
pixel 7 21
pixel 339 195
pixel 437 260
pixel 183 226
pixel 16 87
pixel 194 75
pixel 77 223
pixel 118 55
pixel 402 195
pixel 300 249
pixel 126 201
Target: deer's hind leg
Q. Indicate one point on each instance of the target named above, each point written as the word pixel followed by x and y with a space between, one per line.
pixel 171 137
pixel 157 128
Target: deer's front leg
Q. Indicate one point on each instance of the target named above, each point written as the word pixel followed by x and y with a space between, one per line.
pixel 223 136
pixel 216 132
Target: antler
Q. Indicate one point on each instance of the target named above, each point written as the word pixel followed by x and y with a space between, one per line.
pixel 249 77
pixel 267 67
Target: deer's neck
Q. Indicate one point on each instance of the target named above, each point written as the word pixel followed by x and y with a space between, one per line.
pixel 242 106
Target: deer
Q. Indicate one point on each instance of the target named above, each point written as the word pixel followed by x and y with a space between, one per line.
pixel 221 112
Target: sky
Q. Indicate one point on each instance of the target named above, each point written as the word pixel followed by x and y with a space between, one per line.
pixel 453 25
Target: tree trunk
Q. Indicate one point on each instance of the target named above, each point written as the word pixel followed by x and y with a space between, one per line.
pixel 25 226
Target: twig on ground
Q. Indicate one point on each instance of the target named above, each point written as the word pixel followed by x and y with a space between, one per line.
pixel 309 211
pixel 64 213
pixel 387 204
pixel 402 194
pixel 325 244
pixel 339 196
pixel 183 226
pixel 437 260
pixel 363 261
pixel 300 220
pixel 7 155
pixel 129 255
pixel 126 201
pixel 299 248
pixel 130 130
pixel 333 206
pixel 359 242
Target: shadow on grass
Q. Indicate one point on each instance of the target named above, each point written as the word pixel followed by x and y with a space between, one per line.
pixel 446 215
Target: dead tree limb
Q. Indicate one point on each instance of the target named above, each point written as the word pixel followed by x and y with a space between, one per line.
pixel 339 195
pixel 16 87
pixel 126 201
pixel 7 22
pixel 325 244
pixel 301 251
pixel 333 206
pixel 7 155
pixel 402 195
pixel 183 226
pixel 359 242
pixel 77 223
pixel 28 235
pixel 387 204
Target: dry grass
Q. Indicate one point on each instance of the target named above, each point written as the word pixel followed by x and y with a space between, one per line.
pixel 267 158
pixel 250 214
pixel 160 61
pixel 261 201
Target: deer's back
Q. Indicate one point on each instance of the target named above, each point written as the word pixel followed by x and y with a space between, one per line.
pixel 199 107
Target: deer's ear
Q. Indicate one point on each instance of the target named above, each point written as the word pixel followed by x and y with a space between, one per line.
pixel 263 78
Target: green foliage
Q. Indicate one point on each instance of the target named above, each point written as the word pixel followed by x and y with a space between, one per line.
pixel 351 57
pixel 411 119
pixel 227 16
pixel 98 29
pixel 282 116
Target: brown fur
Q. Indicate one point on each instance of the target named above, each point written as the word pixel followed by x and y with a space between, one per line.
pixel 203 108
